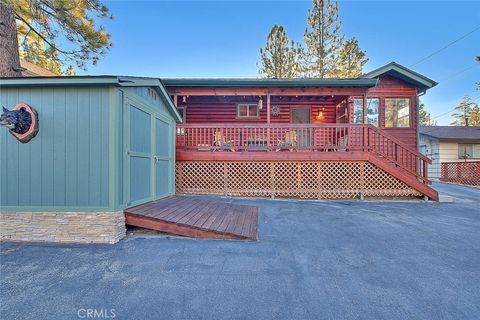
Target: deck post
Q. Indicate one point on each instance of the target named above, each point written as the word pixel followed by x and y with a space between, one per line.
pixel 365 119
pixel 268 121
pixel 175 100
pixel 268 108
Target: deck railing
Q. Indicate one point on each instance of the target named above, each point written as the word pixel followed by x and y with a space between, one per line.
pixel 302 138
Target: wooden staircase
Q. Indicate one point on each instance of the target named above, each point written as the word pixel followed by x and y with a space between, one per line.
pixel 396 158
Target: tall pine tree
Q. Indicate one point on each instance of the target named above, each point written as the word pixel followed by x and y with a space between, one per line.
pixel 351 60
pixel 279 57
pixel 322 39
pixel 463 111
pixel 475 116
pixel 73 23
pixel 326 54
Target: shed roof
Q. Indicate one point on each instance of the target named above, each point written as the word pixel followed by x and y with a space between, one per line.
pixel 103 80
pixel 398 71
pixel 452 133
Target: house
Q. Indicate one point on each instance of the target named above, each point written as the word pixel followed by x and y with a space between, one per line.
pixel 97 145
pixel 302 138
pixel 103 143
pixel 448 144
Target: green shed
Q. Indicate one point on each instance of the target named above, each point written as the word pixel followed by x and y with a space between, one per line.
pixel 104 143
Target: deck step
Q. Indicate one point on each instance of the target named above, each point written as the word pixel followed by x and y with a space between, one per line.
pixel 193 217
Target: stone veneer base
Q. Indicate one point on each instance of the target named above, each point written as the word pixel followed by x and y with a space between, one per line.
pixel 66 227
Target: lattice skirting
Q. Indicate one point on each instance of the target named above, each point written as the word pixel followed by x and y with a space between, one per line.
pixel 306 180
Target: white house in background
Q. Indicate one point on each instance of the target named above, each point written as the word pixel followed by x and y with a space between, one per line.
pixel 448 144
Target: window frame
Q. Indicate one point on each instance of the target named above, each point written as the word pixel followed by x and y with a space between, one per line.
pixel 248 116
pixel 363 120
pixel 410 114
pixel 472 155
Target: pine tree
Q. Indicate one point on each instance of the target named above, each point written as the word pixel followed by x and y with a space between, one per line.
pixel 9 57
pixel 463 111
pixel 423 115
pixel 70 22
pixel 351 60
pixel 70 71
pixel 32 49
pixel 279 58
pixel 475 116
pixel 322 39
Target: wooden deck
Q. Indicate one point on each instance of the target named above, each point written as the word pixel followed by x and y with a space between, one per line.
pixel 196 218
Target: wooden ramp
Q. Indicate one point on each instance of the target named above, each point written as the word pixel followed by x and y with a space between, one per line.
pixel 196 218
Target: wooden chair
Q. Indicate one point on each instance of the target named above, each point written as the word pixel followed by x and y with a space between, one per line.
pixel 220 142
pixel 290 141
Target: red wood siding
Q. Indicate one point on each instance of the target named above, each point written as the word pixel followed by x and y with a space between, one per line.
pixel 227 113
pixel 224 111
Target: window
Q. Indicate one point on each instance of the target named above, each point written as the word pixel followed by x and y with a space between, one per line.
pixel 358 110
pixel 373 105
pixel 245 111
pixel 469 151
pixel 397 112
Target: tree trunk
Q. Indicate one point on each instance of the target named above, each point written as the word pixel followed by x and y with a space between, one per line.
pixel 9 58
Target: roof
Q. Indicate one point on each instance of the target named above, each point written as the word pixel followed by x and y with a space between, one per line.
pixel 398 71
pixel 264 83
pixel 103 80
pixel 32 70
pixel 452 133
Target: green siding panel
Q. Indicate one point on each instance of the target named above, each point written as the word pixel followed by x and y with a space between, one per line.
pixel 71 150
pixel 139 179
pixel 66 164
pixel 120 156
pixel 163 138
pixel 163 176
pixel 140 132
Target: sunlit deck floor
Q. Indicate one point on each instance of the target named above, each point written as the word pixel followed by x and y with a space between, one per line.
pixel 196 218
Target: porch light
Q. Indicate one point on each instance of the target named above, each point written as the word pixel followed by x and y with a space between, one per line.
pixel 184 99
pixel 320 114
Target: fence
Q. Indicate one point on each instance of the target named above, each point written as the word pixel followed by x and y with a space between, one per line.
pixel 461 172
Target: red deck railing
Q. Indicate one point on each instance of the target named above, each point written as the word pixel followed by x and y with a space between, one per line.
pixel 302 138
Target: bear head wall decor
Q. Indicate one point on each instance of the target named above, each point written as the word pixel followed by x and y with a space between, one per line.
pixel 22 122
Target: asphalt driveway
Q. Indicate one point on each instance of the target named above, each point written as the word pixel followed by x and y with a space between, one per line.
pixel 314 260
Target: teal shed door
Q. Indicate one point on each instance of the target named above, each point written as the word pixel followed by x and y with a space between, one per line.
pixel 163 158
pixel 149 159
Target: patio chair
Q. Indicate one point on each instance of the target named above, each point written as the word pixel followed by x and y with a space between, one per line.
pixel 220 142
pixel 289 142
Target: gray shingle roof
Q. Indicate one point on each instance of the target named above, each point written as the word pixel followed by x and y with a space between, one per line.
pixel 461 133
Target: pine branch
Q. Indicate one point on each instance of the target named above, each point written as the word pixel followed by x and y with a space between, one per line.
pixel 52 45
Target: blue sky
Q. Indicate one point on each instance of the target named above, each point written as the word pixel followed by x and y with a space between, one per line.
pixel 222 39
